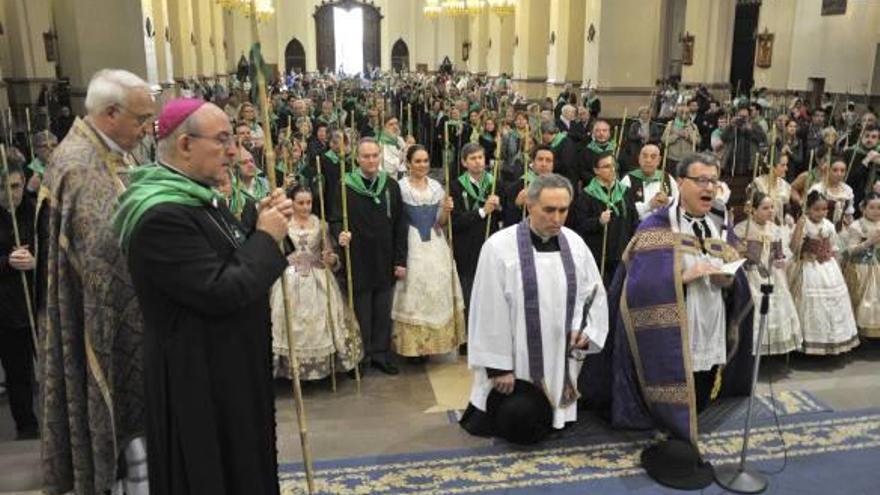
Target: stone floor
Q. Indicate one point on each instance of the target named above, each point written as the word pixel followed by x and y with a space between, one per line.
pixel 408 412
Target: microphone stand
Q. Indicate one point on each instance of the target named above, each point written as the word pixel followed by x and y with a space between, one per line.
pixel 736 478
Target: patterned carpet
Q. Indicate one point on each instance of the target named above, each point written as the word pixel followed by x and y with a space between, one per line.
pixel 822 449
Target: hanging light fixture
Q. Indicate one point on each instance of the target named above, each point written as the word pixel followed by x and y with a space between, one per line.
pixel 454 8
pixel 502 7
pixel 432 9
pixel 264 9
pixel 475 7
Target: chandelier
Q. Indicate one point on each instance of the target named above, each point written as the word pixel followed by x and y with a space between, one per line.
pixel 502 7
pixel 456 8
pixel 432 9
pixel 262 8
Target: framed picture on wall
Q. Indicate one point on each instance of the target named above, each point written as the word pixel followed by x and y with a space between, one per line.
pixel 687 49
pixel 833 7
pixel 764 53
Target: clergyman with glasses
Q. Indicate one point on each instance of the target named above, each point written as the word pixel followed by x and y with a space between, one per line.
pixel 203 280
pixel 682 327
pixel 538 306
pixel 90 324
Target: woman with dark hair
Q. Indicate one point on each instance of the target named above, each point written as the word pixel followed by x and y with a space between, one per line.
pixel 327 336
pixel 862 267
pixel 820 292
pixel 765 246
pixel 428 309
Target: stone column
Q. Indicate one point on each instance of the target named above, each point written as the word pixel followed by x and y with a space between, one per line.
pixel 500 53
pixel 565 60
pixel 180 15
pixel 711 24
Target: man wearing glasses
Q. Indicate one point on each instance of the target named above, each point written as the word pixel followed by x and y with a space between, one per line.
pixel 203 283
pixel 682 330
pixel 90 320
pixel 538 306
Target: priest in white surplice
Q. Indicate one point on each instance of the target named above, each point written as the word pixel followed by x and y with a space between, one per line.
pixel 538 307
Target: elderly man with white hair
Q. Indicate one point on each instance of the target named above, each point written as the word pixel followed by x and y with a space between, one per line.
pixel 93 409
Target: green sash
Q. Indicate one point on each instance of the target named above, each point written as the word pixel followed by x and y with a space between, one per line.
pixel 479 193
pixel 355 181
pixel 612 198
pixel 557 139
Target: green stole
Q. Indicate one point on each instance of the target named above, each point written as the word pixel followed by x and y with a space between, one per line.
pixel 610 198
pixel 355 181
pixel 479 193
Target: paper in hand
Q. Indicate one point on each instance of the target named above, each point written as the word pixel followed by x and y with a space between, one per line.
pixel 732 267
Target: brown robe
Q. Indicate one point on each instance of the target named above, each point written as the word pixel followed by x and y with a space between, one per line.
pixel 90 350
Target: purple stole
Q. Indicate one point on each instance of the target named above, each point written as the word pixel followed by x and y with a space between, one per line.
pixel 531 306
pixel 654 315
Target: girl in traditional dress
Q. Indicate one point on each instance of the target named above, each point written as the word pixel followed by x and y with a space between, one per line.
pixel 838 194
pixel 766 249
pixel 817 284
pixel 862 270
pixel 326 334
pixel 779 191
pixel 428 309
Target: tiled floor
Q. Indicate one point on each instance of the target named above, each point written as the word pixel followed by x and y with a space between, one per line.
pixel 408 412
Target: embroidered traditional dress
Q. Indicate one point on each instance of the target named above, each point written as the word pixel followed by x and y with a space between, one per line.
pixel 322 333
pixel 840 202
pixel 428 309
pixel 765 246
pixel 820 293
pixel 780 191
pixel 862 274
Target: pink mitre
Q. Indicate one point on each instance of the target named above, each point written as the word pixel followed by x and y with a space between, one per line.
pixel 175 112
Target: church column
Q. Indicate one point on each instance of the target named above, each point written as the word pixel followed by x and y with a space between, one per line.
pixel 180 15
pixel 88 42
pixel 218 39
pixel 201 10
pixel 776 18
pixel 565 60
pixel 478 36
pixel 27 23
pixel 531 41
pixel 500 53
pixel 711 25
pixel 622 52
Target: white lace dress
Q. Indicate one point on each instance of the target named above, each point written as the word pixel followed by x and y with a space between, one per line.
pixel 820 293
pixel 766 246
pixel 428 309
pixel 862 274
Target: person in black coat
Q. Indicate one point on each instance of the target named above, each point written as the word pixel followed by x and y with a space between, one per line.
pixel 203 287
pixel 603 204
pixel 513 201
pixel 16 348
pixel 602 142
pixel 564 148
pixel 377 234
pixel 863 161
pixel 473 203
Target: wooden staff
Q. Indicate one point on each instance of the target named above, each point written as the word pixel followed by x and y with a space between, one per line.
pixel 853 156
pixel 525 157
pixel 325 242
pixel 9 131
pixel 409 123
pixel 446 166
pixel 665 145
pixel 809 174
pixel 735 137
pixel 30 141
pixel 495 167
pixel 288 304
pixel 16 235
pixel 757 165
pixel 620 135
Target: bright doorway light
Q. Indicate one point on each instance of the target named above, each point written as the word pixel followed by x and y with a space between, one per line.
pixel 348 28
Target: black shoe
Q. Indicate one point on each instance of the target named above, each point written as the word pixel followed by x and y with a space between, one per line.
pixel 385 367
pixel 28 434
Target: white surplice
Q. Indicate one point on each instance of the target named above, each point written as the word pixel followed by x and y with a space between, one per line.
pixel 497 326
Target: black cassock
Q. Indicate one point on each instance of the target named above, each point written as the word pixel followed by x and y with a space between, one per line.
pixel 584 219
pixel 203 288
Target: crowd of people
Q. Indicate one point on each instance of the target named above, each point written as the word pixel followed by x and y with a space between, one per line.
pixel 177 259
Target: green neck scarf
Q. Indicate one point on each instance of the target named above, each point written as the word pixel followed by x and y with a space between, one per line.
pixel 387 139
pixel 153 185
pixel 613 199
pixel 680 124
pixel 488 137
pixel 601 148
pixel 478 193
pixel 557 139
pixel 355 181
pixel 332 156
pixel 638 174
pixel 529 177
pixel 37 166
